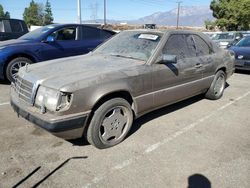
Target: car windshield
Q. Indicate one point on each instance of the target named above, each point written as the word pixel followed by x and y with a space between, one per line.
pixel 131 44
pixel 221 36
pixel 37 33
pixel 245 42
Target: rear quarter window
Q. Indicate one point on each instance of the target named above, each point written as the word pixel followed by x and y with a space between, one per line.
pixel 180 45
pixel 202 47
pixel 90 33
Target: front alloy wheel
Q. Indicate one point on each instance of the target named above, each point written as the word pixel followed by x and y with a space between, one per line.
pixel 110 124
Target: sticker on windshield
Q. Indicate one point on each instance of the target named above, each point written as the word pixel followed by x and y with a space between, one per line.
pixel 148 36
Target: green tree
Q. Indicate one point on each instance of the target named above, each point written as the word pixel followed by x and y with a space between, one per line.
pixel 7 15
pixel 4 14
pixel 210 24
pixel 33 15
pixel 231 14
pixel 48 16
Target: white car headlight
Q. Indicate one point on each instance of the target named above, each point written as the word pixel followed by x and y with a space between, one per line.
pixel 240 56
pixel 51 99
pixel 224 43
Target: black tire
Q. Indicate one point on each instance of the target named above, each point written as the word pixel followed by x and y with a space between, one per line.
pixel 14 65
pixel 217 87
pixel 110 123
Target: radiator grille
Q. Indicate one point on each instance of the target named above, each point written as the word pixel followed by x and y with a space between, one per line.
pixel 24 89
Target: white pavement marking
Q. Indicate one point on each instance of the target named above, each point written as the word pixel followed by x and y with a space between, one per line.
pixel 165 141
pixel 4 103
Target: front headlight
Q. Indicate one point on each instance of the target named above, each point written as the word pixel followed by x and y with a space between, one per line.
pixel 51 99
pixel 240 57
pixel 224 43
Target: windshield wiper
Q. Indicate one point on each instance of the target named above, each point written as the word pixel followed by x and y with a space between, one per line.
pixel 123 56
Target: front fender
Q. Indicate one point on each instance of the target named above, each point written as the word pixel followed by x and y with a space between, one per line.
pixel 85 99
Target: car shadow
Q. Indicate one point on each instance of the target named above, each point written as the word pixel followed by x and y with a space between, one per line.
pixel 49 174
pixel 162 111
pixel 4 82
pixel 79 142
pixel 198 181
pixel 242 71
pixel 173 68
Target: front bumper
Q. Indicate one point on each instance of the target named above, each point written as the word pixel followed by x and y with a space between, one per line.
pixel 67 127
pixel 242 64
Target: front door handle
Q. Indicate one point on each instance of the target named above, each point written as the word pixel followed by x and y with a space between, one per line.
pixel 198 65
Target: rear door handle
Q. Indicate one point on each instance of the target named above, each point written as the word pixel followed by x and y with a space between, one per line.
pixel 198 65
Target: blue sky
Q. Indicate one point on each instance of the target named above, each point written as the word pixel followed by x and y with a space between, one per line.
pixel 66 10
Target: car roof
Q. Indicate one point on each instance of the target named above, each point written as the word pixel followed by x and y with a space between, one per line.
pixel 163 31
pixel 175 31
pixel 69 24
pixel 72 24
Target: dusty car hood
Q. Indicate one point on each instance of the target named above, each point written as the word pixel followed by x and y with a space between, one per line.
pixel 88 68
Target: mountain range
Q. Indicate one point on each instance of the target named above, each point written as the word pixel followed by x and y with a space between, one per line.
pixel 189 16
pixel 193 16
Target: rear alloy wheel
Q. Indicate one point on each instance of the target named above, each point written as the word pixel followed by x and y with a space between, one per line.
pixel 110 124
pixel 14 66
pixel 217 87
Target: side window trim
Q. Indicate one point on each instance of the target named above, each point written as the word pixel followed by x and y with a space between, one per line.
pixel 77 37
pixel 69 27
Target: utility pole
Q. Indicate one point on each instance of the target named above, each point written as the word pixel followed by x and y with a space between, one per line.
pixel 79 16
pixel 104 20
pixel 178 14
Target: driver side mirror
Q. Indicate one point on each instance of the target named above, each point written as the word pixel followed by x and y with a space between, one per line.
pixel 50 39
pixel 168 59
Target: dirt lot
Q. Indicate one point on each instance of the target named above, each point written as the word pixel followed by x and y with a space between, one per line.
pixel 196 143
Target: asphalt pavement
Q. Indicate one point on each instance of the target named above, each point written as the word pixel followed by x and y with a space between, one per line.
pixel 195 143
